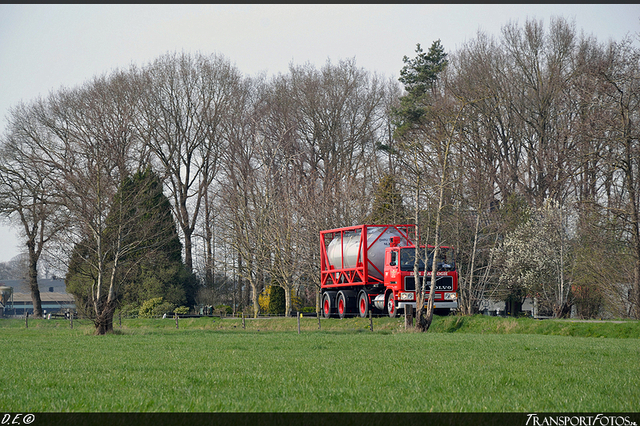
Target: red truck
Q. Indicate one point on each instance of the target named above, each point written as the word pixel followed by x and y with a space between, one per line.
pixel 369 268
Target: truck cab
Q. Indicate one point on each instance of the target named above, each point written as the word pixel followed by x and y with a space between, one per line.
pixel 400 284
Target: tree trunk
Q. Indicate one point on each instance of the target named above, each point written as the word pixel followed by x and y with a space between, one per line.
pixel 254 297
pixel 188 249
pixel 466 302
pixel 420 312
pixel 209 242
pixel 635 292
pixel 256 289
pixel 425 322
pixel 33 283
pixel 287 300
pixel 318 299
pixel 104 319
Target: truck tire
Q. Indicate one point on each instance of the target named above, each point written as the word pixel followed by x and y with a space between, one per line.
pixel 363 304
pixel 391 306
pixel 328 303
pixel 346 301
pixel 341 305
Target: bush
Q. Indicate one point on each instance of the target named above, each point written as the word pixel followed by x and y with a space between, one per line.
pixel 155 307
pixel 128 311
pixel 263 299
pixel 248 311
pixel 226 308
pixel 182 310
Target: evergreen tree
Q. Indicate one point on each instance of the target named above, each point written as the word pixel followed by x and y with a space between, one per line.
pixel 421 132
pixel 157 269
pixel 142 237
pixel 80 278
pixel 276 300
pixel 387 204
pixel 419 76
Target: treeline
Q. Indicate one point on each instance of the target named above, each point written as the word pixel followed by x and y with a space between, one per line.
pixel 532 136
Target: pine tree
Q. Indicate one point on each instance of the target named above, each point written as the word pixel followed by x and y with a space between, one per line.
pixel 419 76
pixel 417 121
pixel 276 299
pixel 141 235
pixel 387 203
pixel 157 269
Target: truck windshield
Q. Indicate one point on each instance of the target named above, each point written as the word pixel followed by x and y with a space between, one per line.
pixel 445 259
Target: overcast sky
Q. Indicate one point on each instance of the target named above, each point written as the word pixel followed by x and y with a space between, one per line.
pixel 44 47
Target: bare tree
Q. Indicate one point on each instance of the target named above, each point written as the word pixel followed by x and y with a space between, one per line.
pixel 92 146
pixel 520 129
pixel 335 120
pixel 183 111
pixel 241 195
pixel 25 190
pixel 489 162
pixel 540 67
pixel 618 72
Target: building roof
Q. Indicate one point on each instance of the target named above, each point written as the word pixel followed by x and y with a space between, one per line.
pixel 44 284
pixel 45 297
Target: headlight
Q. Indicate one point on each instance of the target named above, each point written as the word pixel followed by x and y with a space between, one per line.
pixel 450 296
pixel 406 296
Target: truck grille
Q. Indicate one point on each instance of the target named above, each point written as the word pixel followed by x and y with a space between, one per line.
pixel 443 283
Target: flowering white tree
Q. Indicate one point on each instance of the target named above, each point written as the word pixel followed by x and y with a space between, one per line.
pixel 535 256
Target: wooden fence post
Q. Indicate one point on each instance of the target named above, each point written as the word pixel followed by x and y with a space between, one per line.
pixel 408 318
pixel 299 322
pixel 370 321
pixel 318 314
pixel 243 325
pixel 26 319
pixel 176 315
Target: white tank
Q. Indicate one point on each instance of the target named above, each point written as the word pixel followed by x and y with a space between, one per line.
pixel 353 253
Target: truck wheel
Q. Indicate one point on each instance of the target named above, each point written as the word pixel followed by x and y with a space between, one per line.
pixel 363 304
pixel 391 306
pixel 342 305
pixel 326 305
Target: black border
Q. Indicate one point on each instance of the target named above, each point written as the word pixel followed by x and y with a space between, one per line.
pixel 322 419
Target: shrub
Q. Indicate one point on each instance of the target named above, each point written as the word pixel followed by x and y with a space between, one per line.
pixel 226 308
pixel 182 310
pixel 155 307
pixel 263 299
pixel 128 311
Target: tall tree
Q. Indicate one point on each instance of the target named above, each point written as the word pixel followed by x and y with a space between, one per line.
pixel 618 74
pixel 144 249
pixel 427 127
pixel 25 191
pixel 388 207
pixel 332 118
pixel 92 146
pixel 540 67
pixel 184 105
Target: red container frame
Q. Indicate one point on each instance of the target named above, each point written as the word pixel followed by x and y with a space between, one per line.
pixel 358 275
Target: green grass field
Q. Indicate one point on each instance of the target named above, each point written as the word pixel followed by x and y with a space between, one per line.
pixel 468 364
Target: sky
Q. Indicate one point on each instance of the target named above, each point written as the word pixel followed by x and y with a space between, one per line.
pixel 44 47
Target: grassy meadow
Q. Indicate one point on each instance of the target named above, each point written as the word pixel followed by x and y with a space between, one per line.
pixel 463 364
